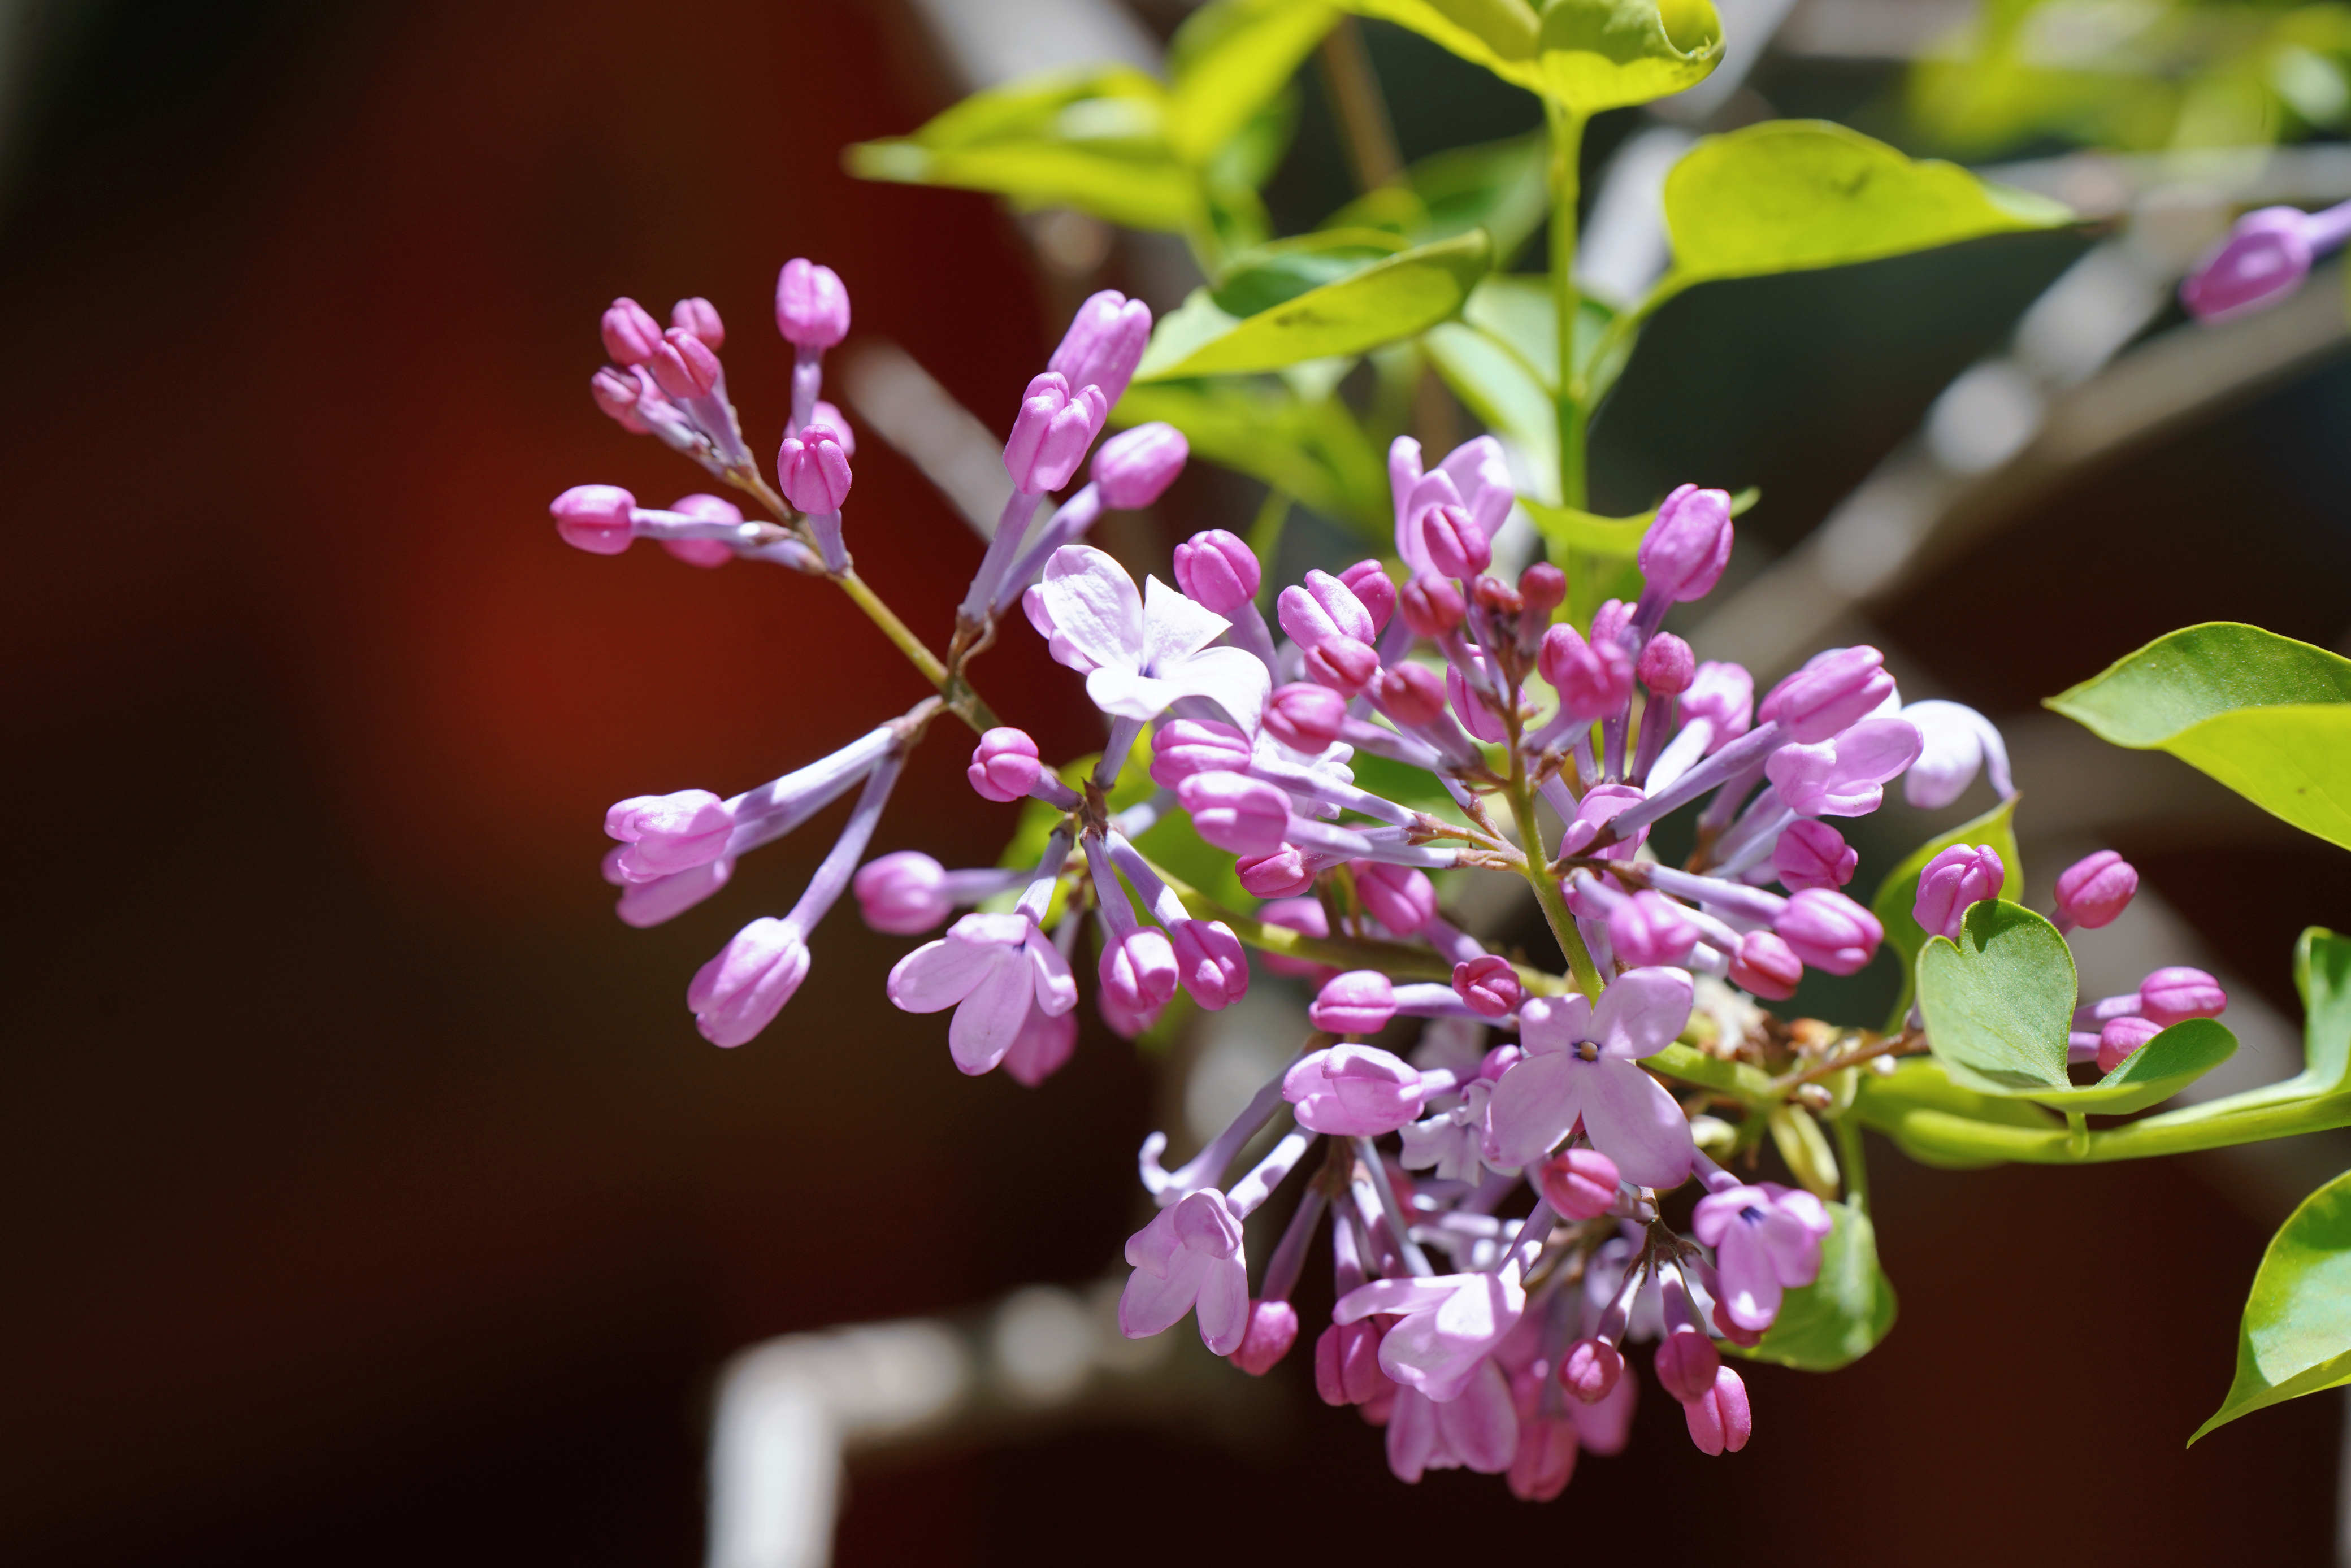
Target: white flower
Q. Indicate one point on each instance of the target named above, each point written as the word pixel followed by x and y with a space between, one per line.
pixel 1141 652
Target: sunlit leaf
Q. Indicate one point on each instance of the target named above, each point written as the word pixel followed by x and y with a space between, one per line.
pixel 2295 1338
pixel 1998 1002
pixel 2162 1068
pixel 1228 59
pixel 1499 34
pixel 1276 273
pixel 1496 385
pixel 1610 54
pixel 1313 452
pixel 2322 973
pixel 1839 1317
pixel 1919 1084
pixel 1500 186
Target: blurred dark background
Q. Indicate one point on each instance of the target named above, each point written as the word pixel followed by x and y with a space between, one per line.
pixel 371 1195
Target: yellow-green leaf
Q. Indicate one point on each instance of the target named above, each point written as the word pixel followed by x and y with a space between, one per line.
pixel 2295 1338
pixel 1609 54
pixel 1228 59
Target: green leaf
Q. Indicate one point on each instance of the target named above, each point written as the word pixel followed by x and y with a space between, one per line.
pixel 1092 140
pixel 1228 59
pixel 2296 1335
pixel 1277 273
pixel 2322 973
pixel 2168 1063
pixel 1839 1317
pixel 2266 715
pixel 1598 54
pixel 1500 186
pixel 1566 528
pixel 1898 893
pixel 1499 34
pixel 1314 452
pixel 1403 294
pixel 1496 385
pixel 2000 1001
pixel 1789 195
pixel 1919 1083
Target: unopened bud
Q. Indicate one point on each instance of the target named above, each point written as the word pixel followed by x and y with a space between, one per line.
pixel 1004 764
pixel 1369 582
pixel 1684 552
pixel 683 365
pixel 1720 1419
pixel 2176 995
pixel 2122 1039
pixel 1238 814
pixel 1668 667
pixel 1280 873
pixel 1360 1001
pixel 1543 586
pixel 1813 854
pixel 1431 607
pixel 1828 930
pixel 1591 1370
pixel 1579 1182
pixel 1217 570
pixel 1413 695
pixel 2095 889
pixel 631 334
pixel 812 304
pixel 1398 897
pixel 814 468
pixel 1135 466
pixel 1305 716
pixel 594 517
pixel 1104 343
pixel 1685 1365
pixel 1766 967
pixel 1457 546
pixel 1488 985
pixel 1272 1330
pixel 1953 882
pixel 699 316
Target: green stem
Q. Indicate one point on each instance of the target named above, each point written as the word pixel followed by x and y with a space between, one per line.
pixel 1566 152
pixel 962 700
pixel 1854 1158
pixel 1555 904
pixel 1954 1136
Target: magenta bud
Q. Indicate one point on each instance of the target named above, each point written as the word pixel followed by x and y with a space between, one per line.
pixel 1957 878
pixel 1498 1060
pixel 1139 971
pixel 1347 1363
pixel 1591 1370
pixel 1135 466
pixel 1280 873
pixel 1723 694
pixel 903 892
pixel 1238 814
pixel 833 419
pixel 594 517
pixel 1185 747
pixel 1593 679
pixel 1542 588
pixel 1305 716
pixel 2095 889
pixel 1496 598
pixel 699 316
pixel 1004 764
pixel 1431 607
pixel 812 304
pixel 1042 1048
pixel 1666 666
pixel 1104 343
pixel 683 365
pixel 1322 608
pixel 2122 1038
pixel 2176 995
pixel 1833 690
pixel 631 334
pixel 740 992
pixel 1343 664
pixel 1413 695
pixel 1050 433
pixel 1488 985
pixel 1360 1001
pixel 1397 897
pixel 1456 544
pixel 1684 552
pixel 1369 582
pixel 1209 962
pixel 1813 854
pixel 1272 1330
pixel 1650 929
pixel 1217 570
pixel 1580 1183
pixel 1720 1419
pixel 814 468
pixel 712 509
pixel 1731 1331
pixel 1828 930
pixel 2265 258
pixel 615 393
pixel 1687 1362
pixel 1766 967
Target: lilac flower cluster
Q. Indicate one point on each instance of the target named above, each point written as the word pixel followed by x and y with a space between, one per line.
pixel 1533 1150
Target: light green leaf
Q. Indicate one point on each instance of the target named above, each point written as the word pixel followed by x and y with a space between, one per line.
pixel 1998 1002
pixel 1898 893
pixel 1565 528
pixel 2322 973
pixel 1791 194
pixel 1521 313
pixel 1839 1317
pixel 1919 1083
pixel 1496 385
pixel 1092 140
pixel 2168 1063
pixel 2266 715
pixel 1228 59
pixel 1314 452
pixel 1275 274
pixel 1499 34
pixel 1403 294
pixel 1500 187
pixel 2296 1335
pixel 1609 54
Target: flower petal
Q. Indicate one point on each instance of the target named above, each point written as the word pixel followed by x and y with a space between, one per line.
pixel 1056 989
pixel 1533 1106
pixel 1403 1294
pixel 1642 1012
pixel 1224 1305
pixel 937 974
pixel 1094 607
pixel 1480 1425
pixel 1175 627
pixel 1412 1435
pixel 1153 1303
pixel 988 1020
pixel 1553 1023
pixel 1633 1121
pixel 1234 680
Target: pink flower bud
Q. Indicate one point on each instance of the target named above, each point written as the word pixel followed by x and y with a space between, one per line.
pixel 1601 803
pixel 1398 897
pixel 711 509
pixel 1828 931
pixel 1004 764
pixel 1324 608
pixel 1610 620
pixel 1593 679
pixel 1542 588
pixel 1766 967
pixel 1684 552
pixel 1305 716
pixel 1649 928
pixel 1369 582
pixel 615 393
pixel 1591 1370
pixel 1238 814
pixel 1042 1048
pixel 594 517
pixel 740 992
pixel 2265 258
pixel 1209 962
pixel 2176 995
pixel 1813 854
pixel 1958 877
pixel 1834 689
pixel 1217 570
pixel 1050 433
pixel 833 419
pixel 1413 695
pixel 814 468
pixel 1343 664
pixel 1724 696
pixel 903 892
pixel 1135 466
pixel 1139 970
pixel 1187 747
pixel 683 365
pixel 1360 1001
pixel 1666 666
pixel 1456 544
pixel 1580 1183
pixel 1432 607
pixel 812 304
pixel 1720 1419
pixel 2121 1039
pixel 1498 1060
pixel 1488 985
pixel 1280 873
pixel 699 316
pixel 1124 1021
pixel 1272 1330
pixel 1731 1331
pixel 1347 1363
pixel 631 334
pixel 667 834
pixel 1104 343
pixel 2095 889
pixel 1687 1362
pixel 1475 716
pixel 1354 1091
pixel 1496 598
